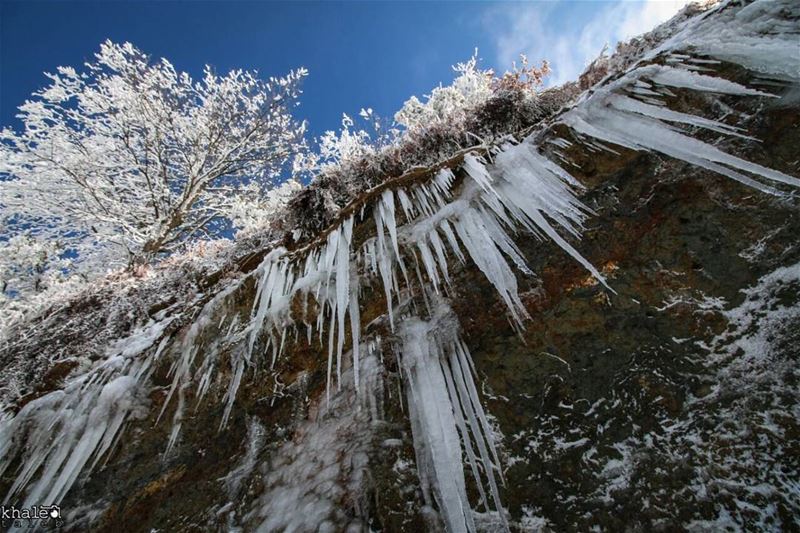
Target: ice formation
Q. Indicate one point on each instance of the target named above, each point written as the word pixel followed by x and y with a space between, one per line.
pixel 58 434
pixel 446 415
pixel 468 212
pixel 521 188
pixel 611 116
pixel 761 37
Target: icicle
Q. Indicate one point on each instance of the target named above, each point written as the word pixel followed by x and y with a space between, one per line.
pixel 181 367
pixel 451 239
pixel 342 287
pixel 273 271
pixel 444 180
pixel 684 79
pixel 474 167
pixel 438 248
pixel 384 263
pixel 355 331
pixel 428 262
pixel 205 382
pixel 387 201
pixel 614 118
pixel 237 367
pixel 640 132
pixel 405 203
pixel 427 396
pixel 422 198
pixel 177 420
pixel 465 435
pixel 331 331
pixel 440 395
pixel 65 429
pixel 479 425
pixel 490 261
pixel 501 239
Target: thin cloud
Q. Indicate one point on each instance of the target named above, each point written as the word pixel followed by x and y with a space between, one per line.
pixel 545 30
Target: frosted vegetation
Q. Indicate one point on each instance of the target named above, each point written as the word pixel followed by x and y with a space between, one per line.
pixel 130 159
pixel 450 184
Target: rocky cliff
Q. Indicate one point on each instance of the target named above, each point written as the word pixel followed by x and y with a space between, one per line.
pixel 590 325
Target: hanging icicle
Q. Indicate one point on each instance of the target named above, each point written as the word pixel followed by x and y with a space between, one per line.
pixel 447 417
pixel 57 435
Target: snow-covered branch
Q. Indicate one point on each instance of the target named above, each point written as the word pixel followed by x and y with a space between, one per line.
pixel 130 155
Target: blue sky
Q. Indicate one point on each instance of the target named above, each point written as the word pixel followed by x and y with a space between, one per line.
pixel 359 54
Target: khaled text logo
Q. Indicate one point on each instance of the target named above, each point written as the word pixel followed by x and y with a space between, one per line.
pixel 50 514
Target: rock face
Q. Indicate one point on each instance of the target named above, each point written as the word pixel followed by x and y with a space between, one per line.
pixel 665 401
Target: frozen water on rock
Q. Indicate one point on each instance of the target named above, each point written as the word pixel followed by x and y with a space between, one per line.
pixel 674 77
pixel 439 220
pixel 761 37
pixel 235 479
pixel 62 431
pixel 467 213
pixel 738 434
pixel 447 417
pixel 311 477
pixel 609 116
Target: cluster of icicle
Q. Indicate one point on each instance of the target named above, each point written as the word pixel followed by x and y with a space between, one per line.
pixel 630 111
pixel 59 433
pixel 417 229
pixel 447 416
pixel 525 189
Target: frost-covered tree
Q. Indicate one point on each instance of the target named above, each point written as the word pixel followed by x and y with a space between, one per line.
pixel 131 158
pixel 29 264
pixel 472 87
pixel 32 270
pixel 353 143
pixel 253 210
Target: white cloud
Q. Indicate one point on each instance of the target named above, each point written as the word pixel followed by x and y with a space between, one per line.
pixel 542 30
